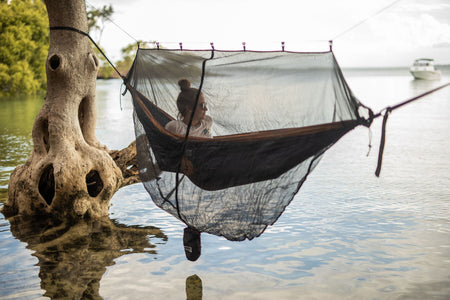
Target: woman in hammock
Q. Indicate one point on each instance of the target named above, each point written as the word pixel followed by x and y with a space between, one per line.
pixel 201 123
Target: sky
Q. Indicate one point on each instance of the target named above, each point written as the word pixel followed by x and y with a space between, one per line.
pixel 365 33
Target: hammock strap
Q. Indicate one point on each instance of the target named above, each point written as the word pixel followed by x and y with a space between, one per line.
pixel 387 111
pixel 92 40
pixel 413 99
pixel 382 141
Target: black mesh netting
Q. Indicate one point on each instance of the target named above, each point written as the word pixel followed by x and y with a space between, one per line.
pixel 274 115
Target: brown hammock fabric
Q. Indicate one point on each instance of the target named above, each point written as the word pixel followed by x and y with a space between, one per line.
pixel 231 160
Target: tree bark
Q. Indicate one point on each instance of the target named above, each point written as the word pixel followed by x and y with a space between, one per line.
pixel 69 173
pixel 126 160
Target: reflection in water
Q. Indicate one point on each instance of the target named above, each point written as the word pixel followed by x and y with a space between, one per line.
pixel 194 288
pixel 73 256
pixel 17 116
pixel 419 86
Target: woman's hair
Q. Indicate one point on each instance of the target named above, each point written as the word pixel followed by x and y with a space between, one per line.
pixel 187 96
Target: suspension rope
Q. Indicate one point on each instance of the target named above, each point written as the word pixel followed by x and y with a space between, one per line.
pixel 411 99
pixel 92 40
pixel 366 19
pixel 387 111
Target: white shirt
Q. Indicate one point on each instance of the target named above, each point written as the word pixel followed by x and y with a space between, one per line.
pixel 203 129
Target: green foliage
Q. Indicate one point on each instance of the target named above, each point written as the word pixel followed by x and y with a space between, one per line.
pixel 123 66
pixel 105 70
pixel 97 19
pixel 96 23
pixel 24 46
pixel 128 54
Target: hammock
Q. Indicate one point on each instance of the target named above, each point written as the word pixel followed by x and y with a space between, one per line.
pixel 274 115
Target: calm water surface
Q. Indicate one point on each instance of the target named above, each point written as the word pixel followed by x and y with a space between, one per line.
pixel 346 235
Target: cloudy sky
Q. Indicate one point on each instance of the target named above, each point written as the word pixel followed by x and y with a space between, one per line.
pixel 390 32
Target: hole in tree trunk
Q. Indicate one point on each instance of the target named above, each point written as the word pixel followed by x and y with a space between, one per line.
pixel 47 184
pixel 94 183
pixel 54 61
pixel 94 60
pixel 81 113
pixel 45 135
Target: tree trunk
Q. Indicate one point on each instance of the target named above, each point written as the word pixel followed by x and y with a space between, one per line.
pixel 69 173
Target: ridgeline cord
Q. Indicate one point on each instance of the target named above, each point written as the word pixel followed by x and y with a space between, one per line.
pixel 109 19
pixel 366 19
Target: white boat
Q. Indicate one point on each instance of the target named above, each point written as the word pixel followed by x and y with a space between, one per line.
pixel 423 68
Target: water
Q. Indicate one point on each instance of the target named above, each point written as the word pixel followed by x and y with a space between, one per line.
pixel 346 235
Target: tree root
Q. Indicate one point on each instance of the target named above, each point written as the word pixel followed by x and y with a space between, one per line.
pixel 125 159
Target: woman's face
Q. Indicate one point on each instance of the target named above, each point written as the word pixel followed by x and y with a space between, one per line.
pixel 201 110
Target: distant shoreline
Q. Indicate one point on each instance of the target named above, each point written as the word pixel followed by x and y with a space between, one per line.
pixel 441 67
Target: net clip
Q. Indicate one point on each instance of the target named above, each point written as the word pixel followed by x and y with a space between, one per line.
pixel 181 46
pixel 282 46
pixel 212 45
pixel 243 46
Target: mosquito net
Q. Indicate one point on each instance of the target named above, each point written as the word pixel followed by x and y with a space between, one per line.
pixel 274 115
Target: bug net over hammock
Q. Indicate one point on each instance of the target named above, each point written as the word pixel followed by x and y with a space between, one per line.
pixel 274 115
